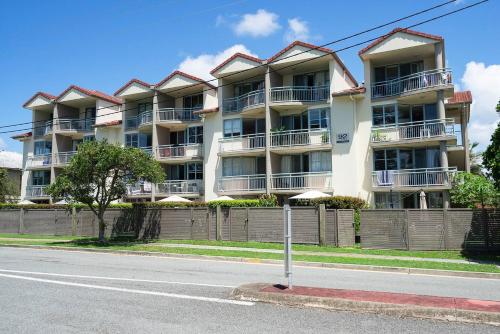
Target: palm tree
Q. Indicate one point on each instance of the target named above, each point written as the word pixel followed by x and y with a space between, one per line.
pixel 475 159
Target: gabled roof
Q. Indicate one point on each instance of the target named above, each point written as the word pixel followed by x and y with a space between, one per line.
pixel 350 91
pixel 395 31
pixel 43 94
pixel 189 76
pixel 132 81
pixel 460 97
pixel 314 47
pixel 235 56
pixel 22 136
pixel 94 93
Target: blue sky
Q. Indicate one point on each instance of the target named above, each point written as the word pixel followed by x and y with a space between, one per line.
pixel 48 45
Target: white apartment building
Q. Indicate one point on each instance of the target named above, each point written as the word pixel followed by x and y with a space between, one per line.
pixel 284 125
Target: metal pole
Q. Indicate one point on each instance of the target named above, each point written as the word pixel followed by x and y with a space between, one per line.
pixel 287 229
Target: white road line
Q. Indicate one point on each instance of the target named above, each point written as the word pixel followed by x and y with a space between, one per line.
pixel 117 278
pixel 143 292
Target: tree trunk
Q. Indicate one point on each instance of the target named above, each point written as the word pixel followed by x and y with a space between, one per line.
pixel 102 228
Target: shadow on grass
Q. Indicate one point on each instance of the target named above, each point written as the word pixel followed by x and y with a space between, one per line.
pixel 94 242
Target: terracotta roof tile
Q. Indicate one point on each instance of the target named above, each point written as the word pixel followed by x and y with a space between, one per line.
pixel 46 95
pixel 396 30
pixel 233 57
pixel 189 76
pixel 134 80
pixel 22 135
pixel 350 91
pixel 94 93
pixel 460 97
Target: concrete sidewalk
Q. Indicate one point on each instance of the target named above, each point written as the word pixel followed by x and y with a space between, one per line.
pixel 387 303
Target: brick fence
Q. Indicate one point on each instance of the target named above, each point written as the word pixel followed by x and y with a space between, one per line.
pixel 435 229
pixel 309 225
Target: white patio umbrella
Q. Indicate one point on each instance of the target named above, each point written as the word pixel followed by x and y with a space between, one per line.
pixel 311 194
pixel 175 199
pixel 61 202
pixel 223 198
pixel 25 202
pixel 423 202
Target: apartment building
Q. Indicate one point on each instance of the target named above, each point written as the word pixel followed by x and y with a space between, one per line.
pixel 296 121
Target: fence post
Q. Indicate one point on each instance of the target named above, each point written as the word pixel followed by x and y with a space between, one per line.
pixel 21 221
pixel 322 224
pixel 73 221
pixel 218 226
pixel 407 225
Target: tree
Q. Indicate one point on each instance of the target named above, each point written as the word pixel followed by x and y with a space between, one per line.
pixel 475 159
pixel 470 190
pixel 491 157
pixel 8 190
pixel 99 173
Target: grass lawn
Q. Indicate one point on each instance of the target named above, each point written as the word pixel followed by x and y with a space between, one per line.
pixel 151 247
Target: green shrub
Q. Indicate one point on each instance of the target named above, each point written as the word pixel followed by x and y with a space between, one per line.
pixel 235 203
pixel 268 200
pixel 4 206
pixel 169 204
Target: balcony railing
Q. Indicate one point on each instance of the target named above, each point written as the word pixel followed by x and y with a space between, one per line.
pixel 178 114
pixel 300 94
pixel 242 183
pixel 143 118
pixel 140 188
pixel 36 191
pixel 300 137
pixel 39 161
pixel 42 129
pixel 411 83
pixel 414 130
pixel 299 181
pixel 63 158
pixel 78 125
pixel 242 143
pixel 242 102
pixel 180 187
pixel 180 151
pixel 147 149
pixel 420 177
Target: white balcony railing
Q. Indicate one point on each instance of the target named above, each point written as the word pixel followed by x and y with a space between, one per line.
pixel 36 191
pixel 39 161
pixel 180 151
pixel 63 158
pixel 242 102
pixel 300 137
pixel 140 189
pixel 420 177
pixel 299 181
pixel 42 129
pixel 242 183
pixel 414 130
pixel 180 187
pixel 411 83
pixel 78 125
pixel 178 114
pixel 300 94
pixel 242 143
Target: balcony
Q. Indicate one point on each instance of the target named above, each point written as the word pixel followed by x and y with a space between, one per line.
pixel 179 153
pixel 420 132
pixel 300 94
pixel 63 158
pixel 37 192
pixel 439 178
pixel 244 102
pixel 297 182
pixel 147 149
pixel 73 126
pixel 243 145
pixel 141 120
pixel 186 188
pixel 178 114
pixel 42 129
pixel 300 140
pixel 42 161
pixel 414 83
pixel 140 189
pixel 242 184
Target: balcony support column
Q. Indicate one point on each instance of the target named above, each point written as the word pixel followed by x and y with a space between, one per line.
pixel 154 139
pixel 446 199
pixel 267 88
pixel 439 52
pixel 441 111
pixel 444 154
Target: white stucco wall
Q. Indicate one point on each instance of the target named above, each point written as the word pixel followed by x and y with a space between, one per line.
pixel 107 112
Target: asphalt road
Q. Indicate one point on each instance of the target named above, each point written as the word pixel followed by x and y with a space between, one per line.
pixel 44 291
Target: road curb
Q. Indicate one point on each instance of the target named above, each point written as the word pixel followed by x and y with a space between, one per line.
pixel 415 271
pixel 252 292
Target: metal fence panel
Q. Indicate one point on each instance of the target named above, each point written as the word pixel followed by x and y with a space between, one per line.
pixel 9 221
pixel 305 225
pixel 200 224
pixel 176 224
pixel 39 221
pixel 239 224
pixel 426 229
pixel 345 228
pixel 383 229
pixel 266 225
pixel 331 227
pixel 63 223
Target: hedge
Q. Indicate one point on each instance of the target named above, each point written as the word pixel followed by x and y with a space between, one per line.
pixel 336 202
pixel 4 206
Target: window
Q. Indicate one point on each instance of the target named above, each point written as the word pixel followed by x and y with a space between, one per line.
pixel 391 72
pixel 321 161
pixel 384 115
pixel 232 127
pixel 43 147
pixel 195 171
pixel 193 101
pixel 321 78
pixel 391 159
pixel 132 140
pixel 238 166
pixel 40 178
pixel 90 113
pixel 144 107
pixel 88 138
pixel 248 87
pixel 386 159
pixel 384 201
pixel 195 135
pixel 318 118
pixel 434 200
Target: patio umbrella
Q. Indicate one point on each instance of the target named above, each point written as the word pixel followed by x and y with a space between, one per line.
pixel 61 202
pixel 223 198
pixel 311 194
pixel 25 202
pixel 175 199
pixel 423 202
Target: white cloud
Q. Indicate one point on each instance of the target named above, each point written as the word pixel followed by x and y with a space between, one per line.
pixel 220 20
pixel 483 81
pixel 260 24
pixel 2 144
pixel 297 30
pixel 11 159
pixel 202 65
